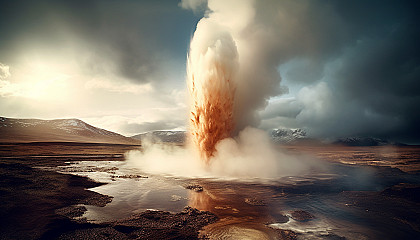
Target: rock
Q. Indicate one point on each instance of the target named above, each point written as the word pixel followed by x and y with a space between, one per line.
pixel 147 225
pixel 302 216
pixel 255 202
pixel 97 199
pixel 128 176
pixel 71 211
pixel 286 234
pixel 164 225
pixel 175 198
pixel 194 187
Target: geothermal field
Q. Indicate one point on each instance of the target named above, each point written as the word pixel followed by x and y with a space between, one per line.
pixel 86 191
pixel 236 119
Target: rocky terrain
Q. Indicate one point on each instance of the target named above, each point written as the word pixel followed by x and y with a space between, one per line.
pixel 37 203
pixel 146 225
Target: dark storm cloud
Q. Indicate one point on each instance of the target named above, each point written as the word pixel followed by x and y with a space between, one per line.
pixel 125 38
pixel 358 62
pixel 383 74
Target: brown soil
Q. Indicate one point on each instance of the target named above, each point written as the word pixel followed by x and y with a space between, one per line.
pixel 147 225
pixel 29 198
pixel 61 149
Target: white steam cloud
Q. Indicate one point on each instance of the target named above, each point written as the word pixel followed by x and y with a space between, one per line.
pixel 4 71
pixel 257 77
pixel 250 155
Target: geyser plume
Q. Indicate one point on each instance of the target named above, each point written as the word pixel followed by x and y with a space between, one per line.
pixel 231 73
pixel 211 67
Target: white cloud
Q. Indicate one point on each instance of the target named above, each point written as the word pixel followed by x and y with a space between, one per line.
pixel 4 71
pixel 317 103
pixel 33 83
pixel 118 86
pixel 195 5
pixel 171 118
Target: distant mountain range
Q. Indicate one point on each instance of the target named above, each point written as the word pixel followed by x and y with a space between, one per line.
pixel 297 135
pixel 58 130
pixel 74 130
pixel 365 141
pixel 162 136
pixel 284 135
pixel 278 135
pixel 281 136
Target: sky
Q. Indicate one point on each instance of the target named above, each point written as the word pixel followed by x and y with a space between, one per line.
pixel 343 68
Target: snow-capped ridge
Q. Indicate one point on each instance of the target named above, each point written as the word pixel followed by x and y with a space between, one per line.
pixel 285 135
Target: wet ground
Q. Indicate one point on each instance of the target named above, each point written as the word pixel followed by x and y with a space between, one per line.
pixel 369 193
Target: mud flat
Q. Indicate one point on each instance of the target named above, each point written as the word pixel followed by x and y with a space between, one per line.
pixel 30 197
pixel 42 204
pixel 86 191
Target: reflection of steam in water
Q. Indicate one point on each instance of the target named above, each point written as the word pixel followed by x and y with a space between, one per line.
pixel 238 219
pixel 200 200
pixel 235 229
pixel 254 211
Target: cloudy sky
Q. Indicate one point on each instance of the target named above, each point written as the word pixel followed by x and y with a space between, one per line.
pixel 345 68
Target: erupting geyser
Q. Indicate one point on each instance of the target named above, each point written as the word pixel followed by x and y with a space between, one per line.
pixel 211 67
pixel 232 71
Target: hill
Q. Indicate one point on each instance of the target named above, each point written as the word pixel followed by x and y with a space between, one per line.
pixel 59 130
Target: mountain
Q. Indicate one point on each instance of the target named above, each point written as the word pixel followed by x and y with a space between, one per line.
pixel 163 136
pixel 298 136
pixel 284 135
pixel 364 141
pixel 58 130
pixel 281 136
pixel 278 135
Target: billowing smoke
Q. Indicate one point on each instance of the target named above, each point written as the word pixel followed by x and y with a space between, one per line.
pixel 230 74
